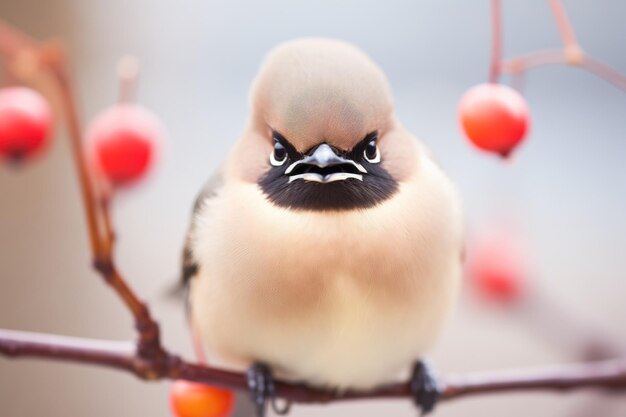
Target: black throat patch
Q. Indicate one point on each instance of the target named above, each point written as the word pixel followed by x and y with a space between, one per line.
pixel 376 187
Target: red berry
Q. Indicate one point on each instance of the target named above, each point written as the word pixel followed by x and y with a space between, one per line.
pixel 122 142
pixel 494 117
pixel 495 269
pixel 25 122
pixel 190 399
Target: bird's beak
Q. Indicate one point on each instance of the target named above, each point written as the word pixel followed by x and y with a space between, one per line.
pixel 324 165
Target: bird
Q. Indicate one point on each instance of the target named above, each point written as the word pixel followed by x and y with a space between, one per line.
pixel 327 248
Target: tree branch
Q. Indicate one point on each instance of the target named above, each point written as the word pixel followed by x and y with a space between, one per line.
pixel 50 68
pixel 610 374
pixel 521 64
pixel 104 353
pixel 100 230
pixel 571 53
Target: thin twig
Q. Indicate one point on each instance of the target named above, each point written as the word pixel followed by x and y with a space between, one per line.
pixel 72 121
pixel 13 41
pixel 107 224
pixel 571 54
pixel 496 41
pixel 573 51
pixel 98 219
pixel 127 75
pixel 521 64
pixel 604 71
pixel 610 374
pixel 44 60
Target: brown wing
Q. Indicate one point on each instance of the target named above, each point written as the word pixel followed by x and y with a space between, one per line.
pixel 209 190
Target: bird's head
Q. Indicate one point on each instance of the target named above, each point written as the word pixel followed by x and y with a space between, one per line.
pixel 323 135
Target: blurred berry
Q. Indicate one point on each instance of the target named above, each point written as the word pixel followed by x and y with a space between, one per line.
pixel 495 269
pixel 494 117
pixel 25 122
pixel 122 142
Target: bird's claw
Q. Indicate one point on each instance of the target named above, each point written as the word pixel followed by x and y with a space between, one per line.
pixel 262 390
pixel 425 389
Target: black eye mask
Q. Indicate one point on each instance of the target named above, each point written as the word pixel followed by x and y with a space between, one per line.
pixel 325 178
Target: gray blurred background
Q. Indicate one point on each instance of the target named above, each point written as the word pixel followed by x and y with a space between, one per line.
pixel 565 191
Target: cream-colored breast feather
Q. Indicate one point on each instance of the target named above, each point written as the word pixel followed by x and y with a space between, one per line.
pixel 344 299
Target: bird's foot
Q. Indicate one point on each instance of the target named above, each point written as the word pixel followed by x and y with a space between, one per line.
pixel 262 390
pixel 425 388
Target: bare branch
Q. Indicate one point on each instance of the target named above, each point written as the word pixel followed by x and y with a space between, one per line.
pixel 604 71
pixel 573 52
pixel 51 68
pixel 521 64
pixel 104 353
pixel 72 122
pixel 610 374
pixel 496 41
pixel 127 75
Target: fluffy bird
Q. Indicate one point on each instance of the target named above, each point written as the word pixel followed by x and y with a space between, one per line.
pixel 328 246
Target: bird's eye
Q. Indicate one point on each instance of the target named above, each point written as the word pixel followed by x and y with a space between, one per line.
pixel 279 155
pixel 371 152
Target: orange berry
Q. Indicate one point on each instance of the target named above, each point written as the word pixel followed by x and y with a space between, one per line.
pixel 191 399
